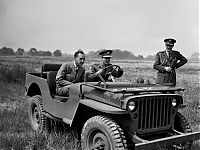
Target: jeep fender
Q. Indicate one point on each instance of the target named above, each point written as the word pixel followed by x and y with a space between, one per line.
pixel 102 107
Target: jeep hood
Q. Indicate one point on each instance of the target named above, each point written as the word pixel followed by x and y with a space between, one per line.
pixel 114 93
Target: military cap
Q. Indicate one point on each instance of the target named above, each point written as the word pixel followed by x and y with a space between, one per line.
pixel 105 53
pixel 169 41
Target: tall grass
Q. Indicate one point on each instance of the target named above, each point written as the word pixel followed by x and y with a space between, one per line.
pixel 191 98
pixel 15 133
pixel 15 130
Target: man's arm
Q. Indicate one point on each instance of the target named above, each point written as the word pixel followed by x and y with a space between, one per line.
pixel 60 77
pixel 182 60
pixel 93 73
pixel 157 64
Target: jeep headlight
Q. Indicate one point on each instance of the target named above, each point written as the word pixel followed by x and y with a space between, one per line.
pixel 174 102
pixel 132 105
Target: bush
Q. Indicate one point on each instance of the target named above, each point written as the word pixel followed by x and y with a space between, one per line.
pixel 13 73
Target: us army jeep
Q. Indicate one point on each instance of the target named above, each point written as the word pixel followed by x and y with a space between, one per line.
pixel 111 115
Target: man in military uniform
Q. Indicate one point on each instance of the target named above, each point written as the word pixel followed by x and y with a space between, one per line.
pixel 70 73
pixel 166 63
pixel 97 69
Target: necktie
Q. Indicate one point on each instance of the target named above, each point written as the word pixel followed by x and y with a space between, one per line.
pixel 170 53
pixel 76 72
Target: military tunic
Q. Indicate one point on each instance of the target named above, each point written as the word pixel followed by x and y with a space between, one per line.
pixel 174 60
pixel 68 74
pixel 92 77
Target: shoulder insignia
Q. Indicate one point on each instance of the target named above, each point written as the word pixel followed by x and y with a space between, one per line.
pixel 161 51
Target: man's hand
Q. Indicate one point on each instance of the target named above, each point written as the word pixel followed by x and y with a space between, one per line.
pixel 65 82
pixel 168 69
pixel 99 71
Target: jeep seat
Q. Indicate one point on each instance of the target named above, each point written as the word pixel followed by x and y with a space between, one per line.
pixel 49 67
pixel 51 79
pixel 49 71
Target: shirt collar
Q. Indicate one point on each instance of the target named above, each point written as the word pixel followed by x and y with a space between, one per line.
pixel 75 66
pixel 168 52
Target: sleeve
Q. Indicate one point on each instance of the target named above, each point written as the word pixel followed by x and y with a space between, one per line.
pixel 182 60
pixel 60 77
pixel 157 64
pixel 91 74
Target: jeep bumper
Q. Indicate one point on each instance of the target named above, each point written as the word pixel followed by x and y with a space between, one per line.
pixel 166 142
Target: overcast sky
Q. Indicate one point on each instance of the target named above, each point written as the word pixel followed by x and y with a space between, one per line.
pixel 135 25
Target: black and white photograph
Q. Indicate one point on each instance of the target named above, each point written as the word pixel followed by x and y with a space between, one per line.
pixel 99 75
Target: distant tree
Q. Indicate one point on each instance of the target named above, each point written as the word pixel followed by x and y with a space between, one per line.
pixel 119 54
pixel 32 51
pixel 57 53
pixel 92 55
pixel 140 57
pixel 195 56
pixel 48 53
pixel 7 51
pixel 150 57
pixel 44 53
pixel 20 51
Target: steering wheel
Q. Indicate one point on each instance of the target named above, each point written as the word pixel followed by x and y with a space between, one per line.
pixel 114 67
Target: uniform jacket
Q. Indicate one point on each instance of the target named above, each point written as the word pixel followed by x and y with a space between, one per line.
pixel 92 77
pixel 68 74
pixel 174 60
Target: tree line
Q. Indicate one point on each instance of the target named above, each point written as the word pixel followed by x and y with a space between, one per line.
pixel 117 54
pixel 32 52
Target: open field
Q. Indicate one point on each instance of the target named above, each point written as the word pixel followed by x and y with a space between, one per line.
pixel 15 130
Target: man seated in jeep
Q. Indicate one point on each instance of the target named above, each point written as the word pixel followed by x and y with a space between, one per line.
pixel 70 73
pixel 97 71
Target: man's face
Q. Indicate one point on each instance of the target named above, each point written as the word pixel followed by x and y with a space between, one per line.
pixel 106 60
pixel 80 59
pixel 169 47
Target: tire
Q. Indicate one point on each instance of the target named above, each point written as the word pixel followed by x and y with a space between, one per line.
pixel 39 122
pixel 101 133
pixel 182 125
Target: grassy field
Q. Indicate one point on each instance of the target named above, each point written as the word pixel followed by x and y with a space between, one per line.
pixel 15 130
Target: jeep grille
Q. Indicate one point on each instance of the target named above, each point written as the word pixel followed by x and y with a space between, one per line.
pixel 154 112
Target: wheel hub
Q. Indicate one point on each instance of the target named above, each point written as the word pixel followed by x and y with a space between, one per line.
pixel 99 145
pixel 36 117
pixel 100 142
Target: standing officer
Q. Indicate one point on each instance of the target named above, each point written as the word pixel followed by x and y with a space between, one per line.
pixel 166 63
pixel 97 69
pixel 70 73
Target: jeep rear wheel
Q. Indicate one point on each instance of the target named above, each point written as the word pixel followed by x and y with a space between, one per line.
pixel 39 122
pixel 182 125
pixel 101 133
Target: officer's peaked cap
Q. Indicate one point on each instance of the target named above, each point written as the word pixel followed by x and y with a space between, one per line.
pixel 105 53
pixel 169 41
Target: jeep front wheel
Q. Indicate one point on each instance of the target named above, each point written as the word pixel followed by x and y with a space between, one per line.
pixel 39 122
pixel 182 125
pixel 101 133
